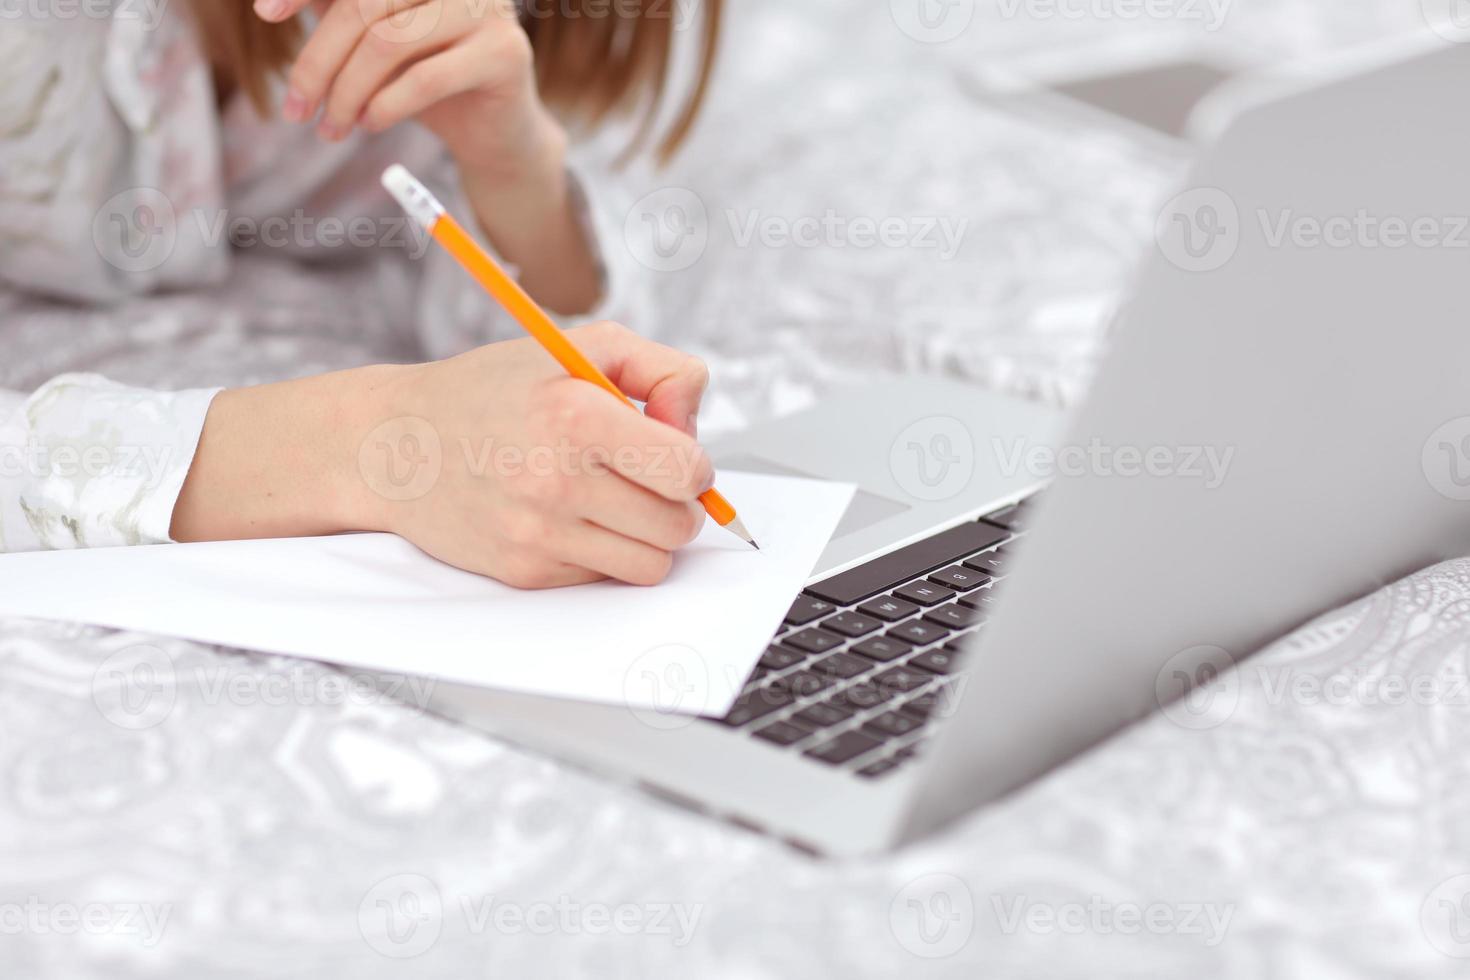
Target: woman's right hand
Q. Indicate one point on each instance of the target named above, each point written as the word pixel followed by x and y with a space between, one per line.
pixel 494 461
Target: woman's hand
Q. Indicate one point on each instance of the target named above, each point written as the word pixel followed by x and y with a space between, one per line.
pixel 495 461
pixel 461 67
pixel 464 69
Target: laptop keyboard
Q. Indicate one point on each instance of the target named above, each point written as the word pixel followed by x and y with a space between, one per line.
pixel 867 658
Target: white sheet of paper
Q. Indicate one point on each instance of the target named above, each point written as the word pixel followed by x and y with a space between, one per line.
pixel 374 601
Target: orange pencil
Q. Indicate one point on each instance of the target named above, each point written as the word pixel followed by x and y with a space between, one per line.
pixel 424 208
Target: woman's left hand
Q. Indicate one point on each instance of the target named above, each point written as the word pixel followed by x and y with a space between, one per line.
pixel 463 68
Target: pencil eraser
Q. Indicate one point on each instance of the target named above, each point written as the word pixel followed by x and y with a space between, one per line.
pixel 412 195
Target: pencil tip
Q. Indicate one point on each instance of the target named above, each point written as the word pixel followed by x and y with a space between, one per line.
pixel 737 528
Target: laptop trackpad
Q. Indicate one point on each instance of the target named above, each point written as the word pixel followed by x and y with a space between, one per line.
pixel 865 510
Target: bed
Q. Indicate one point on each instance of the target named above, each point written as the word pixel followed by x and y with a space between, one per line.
pixel 238 814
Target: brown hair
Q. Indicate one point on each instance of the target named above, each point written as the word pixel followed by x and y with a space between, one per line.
pixel 594 58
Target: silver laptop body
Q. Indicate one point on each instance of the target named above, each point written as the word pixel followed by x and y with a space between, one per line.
pixel 1304 319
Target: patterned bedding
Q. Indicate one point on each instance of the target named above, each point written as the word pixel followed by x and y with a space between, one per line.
pixel 231 814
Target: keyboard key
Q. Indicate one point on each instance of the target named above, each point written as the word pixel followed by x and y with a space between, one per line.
pixel 806 609
pixel 851 624
pixel 823 715
pixel 843 665
pixel 954 616
pixel 860 697
pixel 909 751
pixel 1013 517
pixel 941 661
pixel 920 558
pixel 940 698
pixel 960 577
pixel 902 680
pixel 893 724
pixel 756 703
pixel 804 683
pixel 882 648
pixel 992 563
pixel 779 658
pixel 783 733
pixel 982 601
pixel 921 707
pixel 813 640
pixel 925 593
pixel 888 609
pixel 918 632
pixel 843 748
pixel 878 768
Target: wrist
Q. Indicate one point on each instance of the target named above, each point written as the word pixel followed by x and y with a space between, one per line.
pixel 377 445
pixel 535 173
pixel 530 217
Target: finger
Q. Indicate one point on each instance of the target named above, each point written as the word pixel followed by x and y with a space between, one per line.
pixel 275 11
pixel 341 29
pixel 609 500
pixel 652 455
pixel 533 574
pixel 670 382
pixel 426 83
pixel 596 549
pixel 371 65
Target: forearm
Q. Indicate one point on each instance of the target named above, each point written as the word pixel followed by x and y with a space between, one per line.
pixel 281 460
pixel 530 217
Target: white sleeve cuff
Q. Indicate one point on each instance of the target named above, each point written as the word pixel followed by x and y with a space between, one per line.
pixel 90 463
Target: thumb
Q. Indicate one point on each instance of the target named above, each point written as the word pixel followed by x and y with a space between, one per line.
pixel 669 382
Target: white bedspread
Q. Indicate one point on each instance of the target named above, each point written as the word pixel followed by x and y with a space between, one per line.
pixel 239 815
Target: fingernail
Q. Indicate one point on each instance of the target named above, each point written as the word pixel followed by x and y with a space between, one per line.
pixel 270 9
pixel 329 131
pixel 293 109
pixel 709 482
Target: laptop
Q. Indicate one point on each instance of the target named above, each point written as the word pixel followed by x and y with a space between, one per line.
pixel 1281 424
